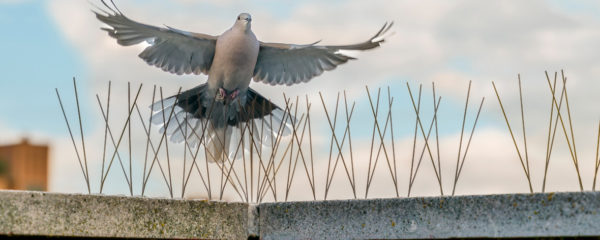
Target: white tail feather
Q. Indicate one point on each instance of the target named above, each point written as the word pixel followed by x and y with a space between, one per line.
pixel 218 146
pixel 181 125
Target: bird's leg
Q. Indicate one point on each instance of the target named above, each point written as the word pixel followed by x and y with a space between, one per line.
pixel 221 94
pixel 234 94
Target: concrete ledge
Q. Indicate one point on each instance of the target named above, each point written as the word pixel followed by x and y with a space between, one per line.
pixel 498 216
pixel 51 214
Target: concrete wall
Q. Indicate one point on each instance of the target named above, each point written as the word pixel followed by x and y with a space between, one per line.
pixel 51 214
pixel 518 215
pixel 514 215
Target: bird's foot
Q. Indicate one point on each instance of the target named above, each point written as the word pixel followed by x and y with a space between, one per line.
pixel 234 94
pixel 221 94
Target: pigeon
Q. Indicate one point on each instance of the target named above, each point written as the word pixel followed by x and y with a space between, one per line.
pixel 231 60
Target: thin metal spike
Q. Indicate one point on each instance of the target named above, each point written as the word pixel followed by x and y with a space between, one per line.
pixel 562 123
pixel 427 144
pixel 547 163
pixel 468 144
pixel 147 132
pixel 597 159
pixel 429 131
pixel 87 173
pixel 381 142
pixel 72 140
pixel 523 125
pixel 372 142
pixel 513 138
pixel 576 159
pixel 105 131
pixel 148 135
pixel 129 140
pixel 185 144
pixel 352 184
pixel 115 146
pixel 327 177
pixel 165 124
pixel 393 144
pixel 310 143
pixel 460 142
pixel 348 118
pixel 160 143
pixel 412 162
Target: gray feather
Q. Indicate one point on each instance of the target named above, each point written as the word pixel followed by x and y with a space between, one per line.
pixel 289 64
pixel 172 50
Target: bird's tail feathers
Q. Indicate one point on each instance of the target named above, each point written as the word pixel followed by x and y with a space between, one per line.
pixel 185 119
pixel 217 143
pixel 268 122
pixel 176 123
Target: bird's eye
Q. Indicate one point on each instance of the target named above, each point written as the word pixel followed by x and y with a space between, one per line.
pixel 239 18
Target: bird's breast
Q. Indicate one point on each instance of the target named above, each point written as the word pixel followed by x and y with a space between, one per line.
pixel 234 60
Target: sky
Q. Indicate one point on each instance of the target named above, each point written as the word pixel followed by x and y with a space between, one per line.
pixel 48 43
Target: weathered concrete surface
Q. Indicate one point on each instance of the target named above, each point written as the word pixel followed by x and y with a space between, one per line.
pixel 515 215
pixel 51 214
pixel 253 217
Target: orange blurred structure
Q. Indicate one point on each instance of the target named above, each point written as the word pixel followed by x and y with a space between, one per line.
pixel 24 166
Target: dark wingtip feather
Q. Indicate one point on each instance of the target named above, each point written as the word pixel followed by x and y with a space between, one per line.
pixel 116 8
pixel 386 27
pixel 107 6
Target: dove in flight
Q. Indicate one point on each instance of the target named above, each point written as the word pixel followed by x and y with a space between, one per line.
pixel 230 60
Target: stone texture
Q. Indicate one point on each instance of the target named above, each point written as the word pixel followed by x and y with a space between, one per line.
pixel 253 217
pixel 512 215
pixel 515 215
pixel 51 214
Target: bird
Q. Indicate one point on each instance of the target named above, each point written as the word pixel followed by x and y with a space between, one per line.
pixel 231 60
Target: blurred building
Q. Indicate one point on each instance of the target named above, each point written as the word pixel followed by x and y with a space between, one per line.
pixel 24 166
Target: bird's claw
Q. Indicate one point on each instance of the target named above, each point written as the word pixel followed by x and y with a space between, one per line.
pixel 235 94
pixel 222 95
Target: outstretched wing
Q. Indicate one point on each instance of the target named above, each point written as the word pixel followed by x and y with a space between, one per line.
pixel 170 49
pixel 288 64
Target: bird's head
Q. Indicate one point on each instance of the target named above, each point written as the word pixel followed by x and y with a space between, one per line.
pixel 244 20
